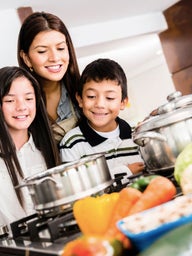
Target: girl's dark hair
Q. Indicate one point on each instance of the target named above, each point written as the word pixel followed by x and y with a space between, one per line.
pixel 102 69
pixel 39 128
pixel 41 21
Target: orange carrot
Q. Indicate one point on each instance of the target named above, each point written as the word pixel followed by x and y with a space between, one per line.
pixel 127 198
pixel 159 190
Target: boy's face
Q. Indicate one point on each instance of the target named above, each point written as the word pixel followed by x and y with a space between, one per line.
pixel 101 103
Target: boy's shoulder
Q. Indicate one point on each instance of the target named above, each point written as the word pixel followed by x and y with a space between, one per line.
pixel 125 128
pixel 122 122
pixel 74 132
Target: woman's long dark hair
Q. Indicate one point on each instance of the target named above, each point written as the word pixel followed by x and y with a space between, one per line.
pixel 41 21
pixel 39 128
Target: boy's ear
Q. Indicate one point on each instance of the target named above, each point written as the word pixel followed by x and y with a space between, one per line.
pixel 79 100
pixel 124 103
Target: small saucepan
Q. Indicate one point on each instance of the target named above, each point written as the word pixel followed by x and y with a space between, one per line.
pixel 163 136
pixel 64 184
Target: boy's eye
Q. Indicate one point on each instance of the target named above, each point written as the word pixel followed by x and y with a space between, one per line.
pixel 90 96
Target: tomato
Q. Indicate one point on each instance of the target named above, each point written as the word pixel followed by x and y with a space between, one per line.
pixel 93 246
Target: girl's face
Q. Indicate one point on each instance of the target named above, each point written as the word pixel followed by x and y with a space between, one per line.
pixel 48 55
pixel 101 103
pixel 19 105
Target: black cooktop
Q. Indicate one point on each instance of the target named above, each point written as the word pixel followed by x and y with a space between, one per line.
pixel 22 247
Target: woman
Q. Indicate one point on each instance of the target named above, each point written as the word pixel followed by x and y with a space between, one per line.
pixel 45 49
pixel 27 145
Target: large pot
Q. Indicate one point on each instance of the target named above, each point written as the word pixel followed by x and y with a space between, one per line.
pixel 62 185
pixel 164 134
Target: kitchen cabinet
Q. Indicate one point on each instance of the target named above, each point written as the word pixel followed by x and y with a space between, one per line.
pixel 176 44
pixel 23 12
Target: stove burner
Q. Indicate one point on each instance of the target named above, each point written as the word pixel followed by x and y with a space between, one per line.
pixel 37 228
pixel 55 211
pixel 163 172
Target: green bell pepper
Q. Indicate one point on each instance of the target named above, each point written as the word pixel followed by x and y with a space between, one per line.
pixel 142 182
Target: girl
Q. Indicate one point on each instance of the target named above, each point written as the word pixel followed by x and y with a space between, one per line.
pixel 27 144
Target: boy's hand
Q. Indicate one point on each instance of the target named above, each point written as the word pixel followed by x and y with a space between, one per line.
pixel 136 167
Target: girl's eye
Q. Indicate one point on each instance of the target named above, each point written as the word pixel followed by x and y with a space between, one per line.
pixel 110 98
pixel 8 101
pixel 30 96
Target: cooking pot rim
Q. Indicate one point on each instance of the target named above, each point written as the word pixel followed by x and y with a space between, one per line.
pixel 64 167
pixel 163 120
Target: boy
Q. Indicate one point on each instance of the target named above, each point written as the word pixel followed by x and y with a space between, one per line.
pixel 101 95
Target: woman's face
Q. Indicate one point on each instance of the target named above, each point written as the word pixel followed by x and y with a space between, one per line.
pixel 19 105
pixel 48 55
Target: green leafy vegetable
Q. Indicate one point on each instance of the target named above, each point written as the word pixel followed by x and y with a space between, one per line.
pixel 183 160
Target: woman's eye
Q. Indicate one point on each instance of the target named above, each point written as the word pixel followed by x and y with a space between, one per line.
pixel 61 49
pixel 41 52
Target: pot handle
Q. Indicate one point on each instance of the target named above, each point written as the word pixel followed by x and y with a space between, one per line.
pixel 26 184
pixel 142 138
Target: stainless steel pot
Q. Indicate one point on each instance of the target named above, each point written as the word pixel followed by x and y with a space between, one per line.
pixel 163 135
pixel 62 185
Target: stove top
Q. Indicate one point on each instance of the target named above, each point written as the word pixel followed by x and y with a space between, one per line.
pixel 24 247
pixel 39 235
pixel 46 235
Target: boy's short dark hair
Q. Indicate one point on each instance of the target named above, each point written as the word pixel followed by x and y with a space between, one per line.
pixel 102 69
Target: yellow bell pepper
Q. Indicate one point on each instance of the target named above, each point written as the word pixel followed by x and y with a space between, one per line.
pixel 94 214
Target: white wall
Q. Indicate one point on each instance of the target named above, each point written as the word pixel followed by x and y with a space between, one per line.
pixel 147 91
pixel 9 29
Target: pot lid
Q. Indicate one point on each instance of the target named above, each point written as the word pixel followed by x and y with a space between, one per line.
pixel 177 108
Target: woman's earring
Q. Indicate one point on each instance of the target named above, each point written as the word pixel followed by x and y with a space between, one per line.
pixel 31 69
